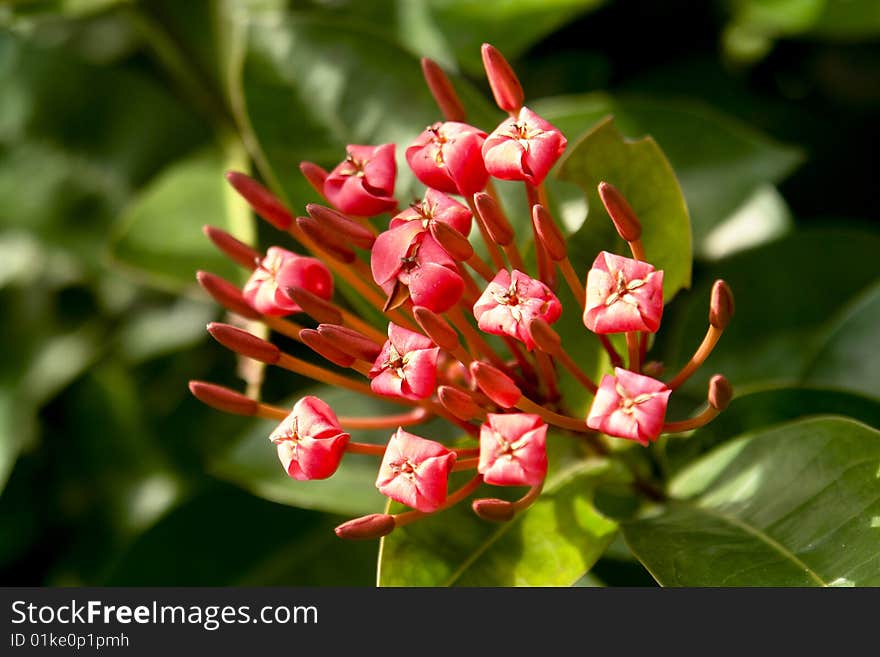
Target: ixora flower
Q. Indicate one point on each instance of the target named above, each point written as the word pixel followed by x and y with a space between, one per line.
pixel 513 449
pixel 432 295
pixel 407 365
pixel 629 405
pixel 363 183
pixel 422 272
pixel 623 295
pixel 511 301
pixel 310 441
pixel 524 147
pixel 415 471
pixel 447 157
pixel 281 269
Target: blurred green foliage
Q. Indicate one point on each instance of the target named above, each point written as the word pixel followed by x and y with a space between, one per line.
pixel 118 118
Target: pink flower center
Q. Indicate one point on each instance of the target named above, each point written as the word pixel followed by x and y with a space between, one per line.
pixel 439 140
pixel 396 362
pixel 628 404
pixel 523 132
pixel 623 291
pixel 355 167
pixel 405 468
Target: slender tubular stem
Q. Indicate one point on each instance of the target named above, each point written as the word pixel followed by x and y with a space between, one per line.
pixel 563 421
pixel 416 416
pixel 466 464
pixel 712 336
pixel 402 519
pixel 547 375
pixel 708 414
pixel 472 336
pixel 634 351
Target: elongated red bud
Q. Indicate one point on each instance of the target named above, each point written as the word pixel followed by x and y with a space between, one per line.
pixel 454 243
pixel 226 294
pixel 459 403
pixel 436 328
pixel 544 336
pixel 548 232
pixel 497 386
pixel 720 392
pixel 314 306
pixel 232 248
pixel 624 217
pixel 721 305
pixel 322 346
pixel 505 85
pixel 349 229
pixel 244 343
pixel 263 202
pixel 364 528
pixel 493 217
pixel 493 509
pixel 351 342
pixel 653 368
pixel 326 240
pixel 442 91
pixel 223 399
pixel 314 175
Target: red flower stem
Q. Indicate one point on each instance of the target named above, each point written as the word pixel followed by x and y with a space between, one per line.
pixel 483 349
pixel 365 448
pixel 481 267
pixel 638 250
pixel 563 421
pixel 616 360
pixel 283 326
pixel 401 519
pixel 700 420
pixel 415 416
pixel 569 363
pixel 643 346
pixel 529 498
pixel 466 464
pixel 520 356
pixel 514 257
pixel 353 321
pixel 494 250
pixel 574 283
pixel 712 336
pixel 547 375
pixel 471 290
pixel 633 351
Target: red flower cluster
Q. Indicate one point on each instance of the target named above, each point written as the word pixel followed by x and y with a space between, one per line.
pixel 433 357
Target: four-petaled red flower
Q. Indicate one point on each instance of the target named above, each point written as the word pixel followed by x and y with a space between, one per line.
pixel 363 183
pixel 623 295
pixel 513 449
pixel 447 157
pixel 629 405
pixel 524 147
pixel 415 471
pixel 407 365
pixel 310 441
pixel 511 301
pixel 266 289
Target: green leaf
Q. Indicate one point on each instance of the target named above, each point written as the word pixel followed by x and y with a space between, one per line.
pixel 792 506
pixel 719 161
pixel 553 543
pixel 784 302
pixel 849 358
pixel 765 407
pixel 160 234
pixel 640 170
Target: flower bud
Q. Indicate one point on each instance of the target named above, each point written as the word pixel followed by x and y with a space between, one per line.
pixel 334 220
pixel 351 342
pixel 223 399
pixel 374 525
pixel 497 386
pixel 326 240
pixel 544 336
pixel 442 91
pixel 459 403
pixel 226 294
pixel 436 328
pixel 721 305
pixel 314 175
pixel 244 343
pixel 489 508
pixel 314 306
pixel 548 232
pixel 324 347
pixel 720 392
pixel 454 243
pixel 505 85
pixel 234 249
pixel 261 200
pixel 493 217
pixel 624 217
pixel 653 368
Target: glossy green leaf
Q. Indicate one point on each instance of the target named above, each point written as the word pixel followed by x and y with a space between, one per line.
pixel 640 170
pixel 787 294
pixel 848 358
pixel 792 506
pixel 765 407
pixel 553 543
pixel 160 234
pixel 253 464
pixel 719 161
